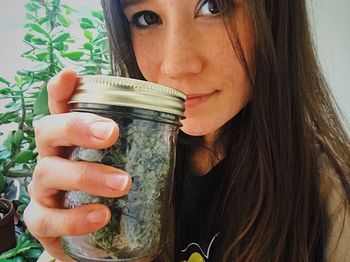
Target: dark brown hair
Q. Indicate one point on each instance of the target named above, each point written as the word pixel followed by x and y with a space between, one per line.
pixel 270 207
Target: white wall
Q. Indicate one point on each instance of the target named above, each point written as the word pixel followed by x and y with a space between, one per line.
pixel 330 20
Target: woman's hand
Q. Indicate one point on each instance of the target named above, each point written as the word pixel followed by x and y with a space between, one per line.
pixel 56 134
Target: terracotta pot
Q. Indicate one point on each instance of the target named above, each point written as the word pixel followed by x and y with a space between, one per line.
pixel 7 226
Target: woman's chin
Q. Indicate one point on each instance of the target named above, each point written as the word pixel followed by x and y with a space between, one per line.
pixel 195 130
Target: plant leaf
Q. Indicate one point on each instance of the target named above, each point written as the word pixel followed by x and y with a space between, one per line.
pixel 30 17
pixel 3 80
pixel 18 137
pixel 39 29
pixel 7 117
pixel 75 56
pixel 61 38
pixel 86 26
pixel 8 143
pixel 28 37
pixel 24 199
pixel 98 15
pixel 2 182
pixel 88 46
pixel 22 238
pixel 43 20
pixel 87 21
pixel 68 10
pixel 32 145
pixel 41 103
pixel 33 253
pixel 64 21
pixel 88 35
pixel 59 47
pixel 23 156
pixel 38 41
pixel 42 56
pixel 100 40
pixel 31 7
pixel 5 154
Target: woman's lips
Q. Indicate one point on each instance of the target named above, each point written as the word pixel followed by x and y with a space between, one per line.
pixel 193 100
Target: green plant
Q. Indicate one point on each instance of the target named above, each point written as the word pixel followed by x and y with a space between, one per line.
pixel 27 249
pixel 28 95
pixel 96 58
pixel 49 42
pixel 51 48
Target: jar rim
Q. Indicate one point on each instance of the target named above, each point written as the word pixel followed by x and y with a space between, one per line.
pixel 128 92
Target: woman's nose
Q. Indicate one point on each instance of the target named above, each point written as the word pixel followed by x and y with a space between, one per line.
pixel 181 54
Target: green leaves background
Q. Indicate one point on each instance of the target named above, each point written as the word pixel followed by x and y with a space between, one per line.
pixel 51 47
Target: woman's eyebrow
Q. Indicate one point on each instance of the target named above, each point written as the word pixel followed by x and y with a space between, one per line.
pixel 125 3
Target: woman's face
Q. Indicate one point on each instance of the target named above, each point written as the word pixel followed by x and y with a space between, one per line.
pixel 184 44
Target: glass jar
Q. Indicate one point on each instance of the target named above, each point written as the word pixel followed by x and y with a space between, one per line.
pixel 148 116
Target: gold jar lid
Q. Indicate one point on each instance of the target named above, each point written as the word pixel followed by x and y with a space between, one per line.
pixel 128 92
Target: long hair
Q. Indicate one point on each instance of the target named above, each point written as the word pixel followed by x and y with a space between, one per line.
pixel 270 207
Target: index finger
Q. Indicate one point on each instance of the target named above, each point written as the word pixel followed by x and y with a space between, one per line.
pixel 60 89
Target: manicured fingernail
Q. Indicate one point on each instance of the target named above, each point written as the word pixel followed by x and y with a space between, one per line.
pixel 97 216
pixel 117 182
pixel 102 130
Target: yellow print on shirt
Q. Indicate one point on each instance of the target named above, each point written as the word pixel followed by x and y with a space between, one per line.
pixel 196 257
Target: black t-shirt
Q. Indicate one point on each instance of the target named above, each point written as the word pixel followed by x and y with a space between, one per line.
pixel 198 238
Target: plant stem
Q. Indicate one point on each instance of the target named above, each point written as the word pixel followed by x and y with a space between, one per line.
pixel 23 109
pixel 55 7
pixel 7 167
pixel 14 175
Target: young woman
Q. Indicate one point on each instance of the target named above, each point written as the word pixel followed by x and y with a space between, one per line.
pixel 263 162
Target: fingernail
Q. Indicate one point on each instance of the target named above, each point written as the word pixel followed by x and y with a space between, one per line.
pixel 102 130
pixel 117 182
pixel 97 216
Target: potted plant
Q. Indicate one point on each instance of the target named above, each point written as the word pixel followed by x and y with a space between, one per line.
pixel 7 227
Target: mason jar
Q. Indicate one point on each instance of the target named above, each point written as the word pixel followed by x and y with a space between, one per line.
pixel 148 116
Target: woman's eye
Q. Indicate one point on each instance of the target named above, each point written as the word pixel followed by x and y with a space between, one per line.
pixel 208 7
pixel 145 18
